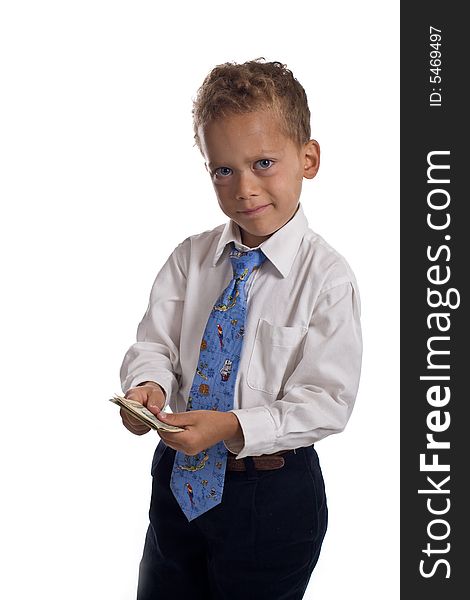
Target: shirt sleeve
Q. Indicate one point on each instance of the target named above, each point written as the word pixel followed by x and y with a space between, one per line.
pixel 320 394
pixel 155 355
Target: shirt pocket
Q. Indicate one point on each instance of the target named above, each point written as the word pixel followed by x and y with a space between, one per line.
pixel 274 356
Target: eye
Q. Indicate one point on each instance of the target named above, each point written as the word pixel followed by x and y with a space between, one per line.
pixel 222 172
pixel 263 164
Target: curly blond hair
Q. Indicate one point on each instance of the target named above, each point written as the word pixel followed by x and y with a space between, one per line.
pixel 234 89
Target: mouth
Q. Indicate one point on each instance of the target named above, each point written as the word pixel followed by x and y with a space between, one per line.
pixel 254 211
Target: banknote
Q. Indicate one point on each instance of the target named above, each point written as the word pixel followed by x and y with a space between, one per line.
pixel 143 414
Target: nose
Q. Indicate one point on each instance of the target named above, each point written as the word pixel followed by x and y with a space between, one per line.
pixel 247 185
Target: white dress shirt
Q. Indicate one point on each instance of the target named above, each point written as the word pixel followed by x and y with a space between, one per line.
pixel 301 358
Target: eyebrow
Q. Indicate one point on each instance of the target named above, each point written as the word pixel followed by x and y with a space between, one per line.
pixel 258 156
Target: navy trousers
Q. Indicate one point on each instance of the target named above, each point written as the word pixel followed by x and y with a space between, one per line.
pixel 261 543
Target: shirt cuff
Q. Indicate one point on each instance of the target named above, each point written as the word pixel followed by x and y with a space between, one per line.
pixel 259 432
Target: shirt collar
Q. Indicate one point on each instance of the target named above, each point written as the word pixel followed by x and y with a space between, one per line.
pixel 280 249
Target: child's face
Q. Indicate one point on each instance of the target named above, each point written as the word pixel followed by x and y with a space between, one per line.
pixel 257 171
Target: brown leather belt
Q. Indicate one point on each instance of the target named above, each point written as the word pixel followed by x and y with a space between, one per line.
pixel 265 462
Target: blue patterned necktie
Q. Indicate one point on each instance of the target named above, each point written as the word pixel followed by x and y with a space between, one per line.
pixel 198 481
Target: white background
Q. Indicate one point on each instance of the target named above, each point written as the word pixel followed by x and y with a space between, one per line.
pixel 99 182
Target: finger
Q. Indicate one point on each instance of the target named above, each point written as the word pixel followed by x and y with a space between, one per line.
pixel 178 419
pixel 132 423
pixel 126 416
pixel 139 430
pixel 136 394
pixel 155 401
pixel 170 435
pixel 175 446
pixel 176 440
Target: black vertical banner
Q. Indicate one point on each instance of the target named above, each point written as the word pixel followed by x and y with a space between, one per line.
pixel 434 259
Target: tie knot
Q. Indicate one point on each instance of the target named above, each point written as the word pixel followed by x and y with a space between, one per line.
pixel 244 263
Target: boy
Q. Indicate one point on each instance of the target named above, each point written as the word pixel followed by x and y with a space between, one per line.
pixel 238 507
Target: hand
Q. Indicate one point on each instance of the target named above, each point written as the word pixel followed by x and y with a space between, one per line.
pixel 203 429
pixel 150 395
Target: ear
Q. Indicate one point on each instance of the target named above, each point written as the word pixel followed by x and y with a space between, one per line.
pixel 311 157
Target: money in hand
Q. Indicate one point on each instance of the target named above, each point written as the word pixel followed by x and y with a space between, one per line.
pixel 137 410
